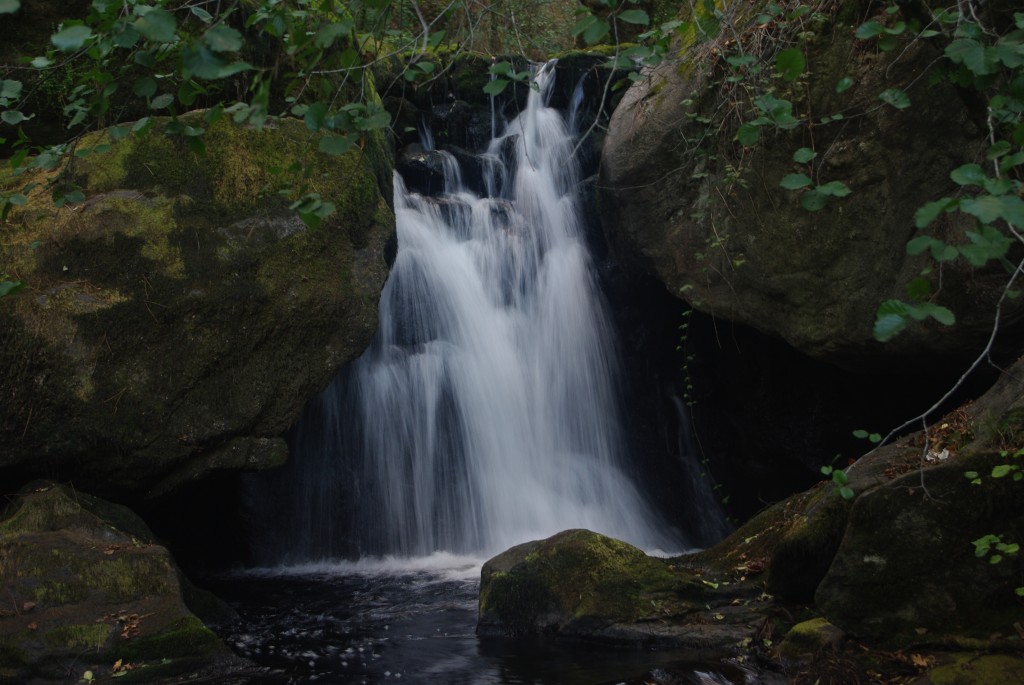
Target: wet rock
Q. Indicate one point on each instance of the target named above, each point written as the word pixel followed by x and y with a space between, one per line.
pixel 88 589
pixel 682 200
pixel 177 321
pixel 810 638
pixel 579 584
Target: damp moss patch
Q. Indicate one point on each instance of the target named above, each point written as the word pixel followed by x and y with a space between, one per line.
pixel 91 590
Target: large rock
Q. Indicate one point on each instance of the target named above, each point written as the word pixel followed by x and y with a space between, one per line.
pixel 708 218
pixel 178 319
pixel 86 588
pixel 579 584
pixel 906 568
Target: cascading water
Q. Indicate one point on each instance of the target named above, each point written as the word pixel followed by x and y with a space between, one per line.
pixel 485 413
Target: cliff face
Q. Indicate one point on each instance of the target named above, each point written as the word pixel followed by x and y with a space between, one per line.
pixel 176 321
pixel 706 214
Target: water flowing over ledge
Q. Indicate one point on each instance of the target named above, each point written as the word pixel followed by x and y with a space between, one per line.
pixel 486 412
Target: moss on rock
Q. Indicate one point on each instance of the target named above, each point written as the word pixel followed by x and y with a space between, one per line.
pixel 809 638
pixel 684 201
pixel 184 310
pixel 983 669
pixel 87 592
pixel 583 585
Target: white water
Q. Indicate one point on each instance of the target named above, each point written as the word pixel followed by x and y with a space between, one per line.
pixel 485 413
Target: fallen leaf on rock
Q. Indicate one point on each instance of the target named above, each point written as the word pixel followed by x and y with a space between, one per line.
pixel 33 626
pixel 921 662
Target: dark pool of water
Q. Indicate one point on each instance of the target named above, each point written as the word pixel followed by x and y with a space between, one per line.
pixel 348 624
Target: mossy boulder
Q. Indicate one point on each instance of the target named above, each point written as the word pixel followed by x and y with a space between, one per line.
pixel 906 570
pixel 177 320
pixel 583 585
pixel 979 669
pixel 810 638
pixel 86 588
pixel 683 200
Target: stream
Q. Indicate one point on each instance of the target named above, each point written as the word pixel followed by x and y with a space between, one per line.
pixel 413 622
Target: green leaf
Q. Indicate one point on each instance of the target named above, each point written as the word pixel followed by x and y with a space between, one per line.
pixel 813 200
pixel 596 31
pixel 844 84
pixel 998 150
pixel 998 186
pixel 71 38
pixel 201 62
pixel 869 30
pixel 987 243
pixel 860 434
pixel 740 60
pixel 379 119
pixel 145 87
pixel 846 492
pixel 928 213
pixel 582 25
pixel 794 181
pixel 233 68
pixel 1011 209
pixel 890 319
pixel 157 25
pixel 10 287
pixel 919 288
pixel 329 33
pixel 635 17
pixel 9 6
pixel 985 207
pixel 221 38
pixel 336 145
pixel 748 134
pixel 203 15
pixel 1000 471
pixel 790 63
pixel 496 86
pixel 13 117
pixel 161 101
pixel 970 475
pixel 968 174
pixel 972 55
pixel 834 188
pixel 921 243
pixel 804 155
pixel 128 37
pixel 895 97
pixel 118 132
pixel 502 69
pixel 939 313
pixel 10 90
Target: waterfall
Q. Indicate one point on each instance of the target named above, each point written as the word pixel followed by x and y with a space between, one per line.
pixel 485 413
